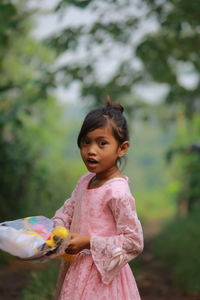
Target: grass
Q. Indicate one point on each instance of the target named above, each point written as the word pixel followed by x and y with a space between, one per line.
pixel 5 258
pixel 178 248
pixel 42 283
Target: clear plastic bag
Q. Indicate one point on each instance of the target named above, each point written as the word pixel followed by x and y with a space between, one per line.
pixel 31 238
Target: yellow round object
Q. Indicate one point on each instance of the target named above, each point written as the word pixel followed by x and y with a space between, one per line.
pixel 50 243
pixel 61 232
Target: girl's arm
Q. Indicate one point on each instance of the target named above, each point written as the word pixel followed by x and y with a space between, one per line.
pixel 110 254
pixel 63 215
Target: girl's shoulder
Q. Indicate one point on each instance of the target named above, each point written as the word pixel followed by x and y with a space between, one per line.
pixel 117 187
pixel 118 181
pixel 118 193
pixel 85 179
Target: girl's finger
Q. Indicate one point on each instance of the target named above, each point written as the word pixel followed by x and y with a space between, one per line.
pixel 73 235
pixel 69 251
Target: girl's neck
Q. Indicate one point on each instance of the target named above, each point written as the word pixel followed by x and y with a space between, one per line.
pixel 100 178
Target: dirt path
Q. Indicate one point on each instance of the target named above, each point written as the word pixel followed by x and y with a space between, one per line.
pixel 153 280
pixel 13 278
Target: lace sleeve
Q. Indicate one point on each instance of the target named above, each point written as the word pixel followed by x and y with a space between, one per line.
pixel 111 253
pixel 63 215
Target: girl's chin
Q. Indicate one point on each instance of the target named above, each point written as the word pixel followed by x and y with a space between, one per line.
pixel 91 167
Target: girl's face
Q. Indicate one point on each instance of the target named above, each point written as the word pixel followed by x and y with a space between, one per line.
pixel 100 151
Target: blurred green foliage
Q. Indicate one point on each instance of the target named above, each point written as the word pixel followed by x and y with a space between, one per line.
pixel 165 54
pixel 172 51
pixel 34 176
pixel 148 172
pixel 178 248
pixel 184 159
pixel 42 283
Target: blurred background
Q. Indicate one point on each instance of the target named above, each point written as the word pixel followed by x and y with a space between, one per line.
pixel 59 59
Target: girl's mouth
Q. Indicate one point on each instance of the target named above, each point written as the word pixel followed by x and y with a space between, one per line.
pixel 91 163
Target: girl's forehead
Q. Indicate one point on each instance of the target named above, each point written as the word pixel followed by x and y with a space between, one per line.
pixel 101 132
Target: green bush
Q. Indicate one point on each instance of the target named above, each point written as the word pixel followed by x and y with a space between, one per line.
pixel 42 283
pixel 5 258
pixel 178 248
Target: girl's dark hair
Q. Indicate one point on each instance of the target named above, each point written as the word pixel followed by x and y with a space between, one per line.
pixel 111 114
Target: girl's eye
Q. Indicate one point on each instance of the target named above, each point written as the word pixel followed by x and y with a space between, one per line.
pixel 102 143
pixel 85 142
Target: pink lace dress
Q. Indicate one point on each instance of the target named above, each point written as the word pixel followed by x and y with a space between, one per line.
pixel 107 214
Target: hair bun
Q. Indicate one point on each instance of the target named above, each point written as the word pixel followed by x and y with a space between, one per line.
pixel 115 105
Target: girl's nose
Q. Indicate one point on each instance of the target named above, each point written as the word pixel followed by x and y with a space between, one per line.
pixel 92 150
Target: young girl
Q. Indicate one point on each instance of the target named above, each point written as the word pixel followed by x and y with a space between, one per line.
pixel 105 231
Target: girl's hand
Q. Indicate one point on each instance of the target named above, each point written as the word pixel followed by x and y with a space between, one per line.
pixel 77 243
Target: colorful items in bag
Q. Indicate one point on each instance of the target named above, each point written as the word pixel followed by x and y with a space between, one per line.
pixel 31 237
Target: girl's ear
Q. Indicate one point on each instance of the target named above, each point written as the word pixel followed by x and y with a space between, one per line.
pixel 123 148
